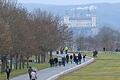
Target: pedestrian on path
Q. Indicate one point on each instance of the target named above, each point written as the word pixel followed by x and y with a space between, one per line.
pixel 79 58
pixel 51 61
pixel 29 72
pixel 75 58
pixel 71 59
pixel 8 71
pixel 55 61
pixel 66 50
pixel 33 75
pixel 67 58
pixel 95 52
pixel 59 59
pixel 84 56
pixel 63 59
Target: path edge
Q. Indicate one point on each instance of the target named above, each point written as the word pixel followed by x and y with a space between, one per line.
pixel 72 69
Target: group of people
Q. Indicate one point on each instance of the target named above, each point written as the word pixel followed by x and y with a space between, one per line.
pixel 63 58
pixel 78 59
pixel 32 73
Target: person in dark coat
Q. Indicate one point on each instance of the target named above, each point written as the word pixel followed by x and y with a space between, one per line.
pixel 51 61
pixel 74 57
pixel 71 58
pixel 57 52
pixel 79 58
pixel 55 61
pixel 67 58
pixel 29 72
pixel 63 61
pixel 104 49
pixel 95 52
pixel 8 71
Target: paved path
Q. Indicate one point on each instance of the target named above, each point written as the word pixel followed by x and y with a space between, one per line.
pixel 47 73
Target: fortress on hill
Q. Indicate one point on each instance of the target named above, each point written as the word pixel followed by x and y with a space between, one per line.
pixel 81 19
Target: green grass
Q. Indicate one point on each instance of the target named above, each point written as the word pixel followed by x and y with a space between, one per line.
pixel 105 67
pixel 23 71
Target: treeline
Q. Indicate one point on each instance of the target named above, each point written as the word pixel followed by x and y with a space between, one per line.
pixel 106 37
pixel 23 34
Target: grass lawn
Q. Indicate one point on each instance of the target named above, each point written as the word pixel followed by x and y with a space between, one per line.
pixel 23 71
pixel 105 67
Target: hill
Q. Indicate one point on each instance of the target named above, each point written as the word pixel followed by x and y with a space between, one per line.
pixel 107 13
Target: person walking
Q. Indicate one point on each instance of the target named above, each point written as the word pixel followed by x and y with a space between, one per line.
pixel 33 75
pixel 29 72
pixel 71 59
pixel 74 57
pixel 95 52
pixel 8 71
pixel 55 61
pixel 63 59
pixel 84 56
pixel 66 50
pixel 67 58
pixel 79 58
pixel 59 59
pixel 51 61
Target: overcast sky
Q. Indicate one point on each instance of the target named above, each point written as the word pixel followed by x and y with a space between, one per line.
pixel 68 2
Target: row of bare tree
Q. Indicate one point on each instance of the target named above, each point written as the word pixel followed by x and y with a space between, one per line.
pixel 107 38
pixel 23 34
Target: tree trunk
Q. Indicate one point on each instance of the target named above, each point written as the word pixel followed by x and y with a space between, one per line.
pixel 36 58
pixel 43 56
pixel 11 63
pixel 23 62
pixel 27 62
pixel 16 63
pixel 20 62
pixel 39 58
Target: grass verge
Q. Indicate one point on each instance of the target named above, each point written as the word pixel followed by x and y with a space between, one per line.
pixel 23 71
pixel 105 67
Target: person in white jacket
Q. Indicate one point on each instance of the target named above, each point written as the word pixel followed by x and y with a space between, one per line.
pixel 33 75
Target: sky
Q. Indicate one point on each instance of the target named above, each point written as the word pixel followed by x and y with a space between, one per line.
pixel 68 2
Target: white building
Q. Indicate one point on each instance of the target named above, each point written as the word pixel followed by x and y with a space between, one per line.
pixel 75 19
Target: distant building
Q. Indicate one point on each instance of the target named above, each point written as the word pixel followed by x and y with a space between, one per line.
pixel 83 18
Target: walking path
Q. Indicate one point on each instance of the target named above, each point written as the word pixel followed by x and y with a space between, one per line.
pixel 54 72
